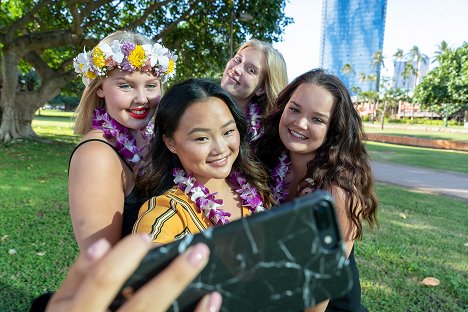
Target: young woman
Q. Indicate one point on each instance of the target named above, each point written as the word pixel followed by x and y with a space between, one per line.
pixel 202 171
pixel 254 77
pixel 314 140
pixel 123 76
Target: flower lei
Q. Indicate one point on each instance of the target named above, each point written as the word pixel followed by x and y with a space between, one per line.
pixel 125 142
pixel 206 201
pixel 127 56
pixel 254 118
pixel 279 173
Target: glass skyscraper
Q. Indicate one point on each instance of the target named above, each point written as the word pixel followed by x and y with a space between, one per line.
pixel 352 33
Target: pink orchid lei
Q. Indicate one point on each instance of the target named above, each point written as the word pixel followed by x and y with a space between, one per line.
pixel 279 189
pixel 125 142
pixel 206 201
pixel 254 118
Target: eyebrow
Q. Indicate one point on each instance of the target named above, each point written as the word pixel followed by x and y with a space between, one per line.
pixel 207 130
pixel 317 113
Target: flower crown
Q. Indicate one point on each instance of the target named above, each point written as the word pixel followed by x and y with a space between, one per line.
pixel 126 56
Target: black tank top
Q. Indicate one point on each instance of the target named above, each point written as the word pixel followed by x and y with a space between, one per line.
pixel 132 202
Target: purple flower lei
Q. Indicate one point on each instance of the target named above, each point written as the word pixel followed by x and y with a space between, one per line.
pixel 125 142
pixel 206 201
pixel 280 186
pixel 254 118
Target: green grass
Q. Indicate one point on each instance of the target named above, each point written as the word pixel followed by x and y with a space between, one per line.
pixel 421 157
pixel 35 222
pixel 420 236
pixel 420 133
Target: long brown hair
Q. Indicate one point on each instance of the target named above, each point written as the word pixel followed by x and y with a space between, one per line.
pixel 158 177
pixel 341 160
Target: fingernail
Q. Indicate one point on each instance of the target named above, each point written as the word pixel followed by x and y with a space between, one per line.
pixel 214 304
pixel 198 255
pixel 145 237
pixel 97 249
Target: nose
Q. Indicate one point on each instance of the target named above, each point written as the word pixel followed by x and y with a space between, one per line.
pixel 218 146
pixel 302 122
pixel 237 69
pixel 140 97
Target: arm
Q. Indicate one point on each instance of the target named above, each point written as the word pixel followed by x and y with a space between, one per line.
pixel 97 275
pixel 96 189
pixel 162 219
pixel 347 231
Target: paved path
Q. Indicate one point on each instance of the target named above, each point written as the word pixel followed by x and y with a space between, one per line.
pixel 426 180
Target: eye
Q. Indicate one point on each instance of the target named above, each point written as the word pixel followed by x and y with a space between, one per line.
pixel 318 120
pixel 152 85
pixel 124 86
pixel 237 59
pixel 229 132
pixel 251 70
pixel 293 109
pixel 201 139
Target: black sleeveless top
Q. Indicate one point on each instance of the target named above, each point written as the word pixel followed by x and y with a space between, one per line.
pixel 133 201
pixel 352 300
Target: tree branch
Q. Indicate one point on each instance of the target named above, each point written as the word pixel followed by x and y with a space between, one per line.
pixel 19 23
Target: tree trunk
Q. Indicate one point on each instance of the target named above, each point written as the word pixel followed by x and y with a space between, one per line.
pixel 18 108
pixel 383 115
pixel 9 128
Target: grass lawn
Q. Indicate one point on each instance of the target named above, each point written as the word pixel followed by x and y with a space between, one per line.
pixel 420 235
pixel 420 133
pixel 454 161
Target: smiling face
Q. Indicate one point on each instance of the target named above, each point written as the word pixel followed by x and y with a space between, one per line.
pixel 305 120
pixel 131 99
pixel 206 140
pixel 243 75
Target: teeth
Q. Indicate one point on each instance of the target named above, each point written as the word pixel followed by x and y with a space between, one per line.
pixel 297 135
pixel 138 112
pixel 218 161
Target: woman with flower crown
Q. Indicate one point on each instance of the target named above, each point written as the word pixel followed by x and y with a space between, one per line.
pixel 202 171
pixel 123 76
pixel 254 77
pixel 314 140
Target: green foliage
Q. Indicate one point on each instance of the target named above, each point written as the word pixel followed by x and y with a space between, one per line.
pixel 197 30
pixel 422 121
pixel 445 89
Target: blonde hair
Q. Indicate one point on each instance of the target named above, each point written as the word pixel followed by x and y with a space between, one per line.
pixel 89 99
pixel 275 76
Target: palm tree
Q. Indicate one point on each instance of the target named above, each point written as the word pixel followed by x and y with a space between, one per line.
pixel 377 61
pixel 442 48
pixel 347 70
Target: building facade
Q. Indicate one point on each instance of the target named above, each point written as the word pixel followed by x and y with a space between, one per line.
pixel 352 33
pixel 409 80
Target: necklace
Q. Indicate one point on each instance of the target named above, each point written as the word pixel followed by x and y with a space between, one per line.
pixel 279 173
pixel 206 201
pixel 125 142
pixel 254 118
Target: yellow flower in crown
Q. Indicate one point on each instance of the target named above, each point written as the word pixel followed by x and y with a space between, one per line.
pixel 137 57
pixel 98 57
pixel 170 66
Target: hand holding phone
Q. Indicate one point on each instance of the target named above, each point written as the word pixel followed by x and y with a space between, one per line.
pixel 286 259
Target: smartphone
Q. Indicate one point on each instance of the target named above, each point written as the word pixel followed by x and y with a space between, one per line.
pixel 285 259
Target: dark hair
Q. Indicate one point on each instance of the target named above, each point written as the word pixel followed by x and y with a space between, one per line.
pixel 341 160
pixel 158 177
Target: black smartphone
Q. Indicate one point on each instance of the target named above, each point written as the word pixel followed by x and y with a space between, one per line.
pixel 285 259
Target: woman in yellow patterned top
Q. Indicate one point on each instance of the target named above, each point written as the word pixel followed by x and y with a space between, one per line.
pixel 202 172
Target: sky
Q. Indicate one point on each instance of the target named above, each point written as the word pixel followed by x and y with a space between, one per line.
pixel 424 23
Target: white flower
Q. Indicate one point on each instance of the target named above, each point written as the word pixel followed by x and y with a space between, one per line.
pixel 81 63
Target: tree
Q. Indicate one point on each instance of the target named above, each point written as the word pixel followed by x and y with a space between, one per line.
pixel 445 88
pixel 377 62
pixel 347 70
pixel 46 34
